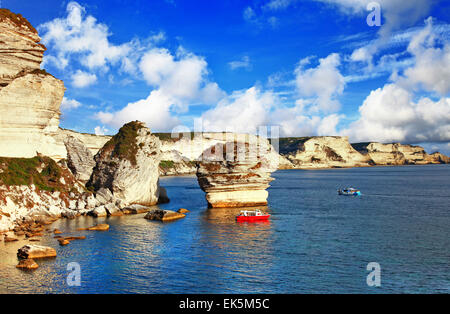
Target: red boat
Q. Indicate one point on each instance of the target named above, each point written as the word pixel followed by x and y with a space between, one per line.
pixel 251 216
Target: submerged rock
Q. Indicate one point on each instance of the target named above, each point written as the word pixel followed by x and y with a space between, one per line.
pixel 63 242
pixel 135 209
pixel 163 215
pixel 128 166
pixel 35 251
pixel 183 211
pixel 8 239
pixel 27 264
pixel 99 227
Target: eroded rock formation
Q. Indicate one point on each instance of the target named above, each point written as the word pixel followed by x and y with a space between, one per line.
pixel 30 98
pixel 236 174
pixel 128 166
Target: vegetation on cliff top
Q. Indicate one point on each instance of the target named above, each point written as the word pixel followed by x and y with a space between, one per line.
pixel 17 19
pixel 41 171
pixel 123 145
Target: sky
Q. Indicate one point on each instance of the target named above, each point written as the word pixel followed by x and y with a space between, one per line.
pixel 308 67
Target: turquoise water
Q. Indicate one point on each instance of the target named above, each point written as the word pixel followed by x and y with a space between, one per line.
pixel 315 242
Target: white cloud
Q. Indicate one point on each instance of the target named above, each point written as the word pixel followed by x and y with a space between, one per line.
pixel 390 114
pixel 82 79
pixel 324 82
pixel 183 76
pixel 100 130
pixel 82 37
pixel 431 70
pixel 68 104
pixel 238 64
pixel 245 111
pixel 241 112
pixel 278 4
pixel 155 110
pixel 401 111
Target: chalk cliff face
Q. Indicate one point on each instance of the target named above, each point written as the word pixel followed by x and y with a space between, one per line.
pixel 128 166
pixel 399 154
pixel 20 49
pixel 236 174
pixel 29 97
pixel 322 152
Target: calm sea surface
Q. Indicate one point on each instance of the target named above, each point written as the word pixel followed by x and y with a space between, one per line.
pixel 315 242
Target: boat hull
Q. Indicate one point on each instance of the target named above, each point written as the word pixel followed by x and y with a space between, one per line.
pixel 252 218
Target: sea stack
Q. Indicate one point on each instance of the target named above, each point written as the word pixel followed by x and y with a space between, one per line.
pixel 237 174
pixel 128 166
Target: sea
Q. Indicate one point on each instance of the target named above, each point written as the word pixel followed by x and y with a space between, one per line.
pixel 394 238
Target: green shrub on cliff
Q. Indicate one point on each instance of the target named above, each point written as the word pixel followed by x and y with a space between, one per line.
pixel 166 164
pixel 41 171
pixel 123 144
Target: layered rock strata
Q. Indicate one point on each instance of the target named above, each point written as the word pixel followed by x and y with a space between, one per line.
pixel 323 152
pixel 30 98
pixel 236 174
pixel 399 154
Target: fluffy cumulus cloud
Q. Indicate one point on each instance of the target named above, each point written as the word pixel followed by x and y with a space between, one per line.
pixel 322 83
pixel 178 81
pixel 431 71
pixel 183 76
pixel 100 130
pixel 390 114
pixel 415 107
pixel 81 37
pixel 155 110
pixel 243 111
pixel 246 111
pixel 83 79
pixel 68 104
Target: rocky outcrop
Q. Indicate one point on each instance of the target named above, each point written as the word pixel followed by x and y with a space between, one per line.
pixel 99 227
pixel 163 215
pixel 128 166
pixel 322 152
pixel 236 174
pixel 27 264
pixel 79 159
pixel 439 158
pixel 399 154
pixel 91 141
pixel 35 252
pixel 29 97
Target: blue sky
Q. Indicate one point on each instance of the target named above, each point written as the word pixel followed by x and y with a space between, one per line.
pixel 311 67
